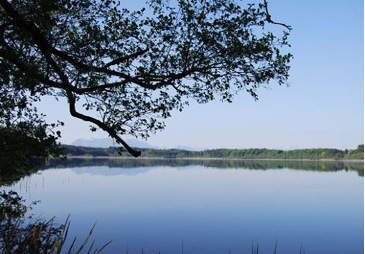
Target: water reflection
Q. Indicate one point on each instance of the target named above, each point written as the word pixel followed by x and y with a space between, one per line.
pixel 139 166
pixel 120 166
pixel 209 205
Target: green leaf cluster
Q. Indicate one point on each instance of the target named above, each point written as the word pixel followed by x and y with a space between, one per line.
pixel 18 145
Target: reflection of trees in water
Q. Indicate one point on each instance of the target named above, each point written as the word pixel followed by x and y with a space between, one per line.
pixel 212 163
pixel 10 175
pixel 12 172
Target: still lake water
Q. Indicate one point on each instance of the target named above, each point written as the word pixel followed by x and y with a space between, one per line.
pixel 175 206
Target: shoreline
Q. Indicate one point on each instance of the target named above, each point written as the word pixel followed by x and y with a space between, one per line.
pixel 205 158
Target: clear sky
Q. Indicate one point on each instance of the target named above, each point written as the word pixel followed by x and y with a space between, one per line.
pixel 322 107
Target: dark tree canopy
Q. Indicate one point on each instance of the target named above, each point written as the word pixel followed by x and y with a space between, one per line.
pixel 124 71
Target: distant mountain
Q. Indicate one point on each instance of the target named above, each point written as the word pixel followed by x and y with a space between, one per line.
pixel 188 148
pixel 108 142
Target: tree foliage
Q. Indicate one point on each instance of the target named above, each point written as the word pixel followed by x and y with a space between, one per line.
pixel 124 71
pixel 242 154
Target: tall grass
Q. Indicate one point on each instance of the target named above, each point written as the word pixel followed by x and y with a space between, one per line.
pixel 20 234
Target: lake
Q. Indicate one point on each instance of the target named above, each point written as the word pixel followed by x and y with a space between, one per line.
pixel 211 206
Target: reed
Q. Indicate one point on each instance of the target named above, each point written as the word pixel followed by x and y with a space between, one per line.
pixel 20 235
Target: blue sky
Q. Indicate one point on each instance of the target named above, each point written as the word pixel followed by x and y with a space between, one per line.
pixel 322 107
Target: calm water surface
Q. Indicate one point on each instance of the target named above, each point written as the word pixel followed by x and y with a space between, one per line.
pixel 204 207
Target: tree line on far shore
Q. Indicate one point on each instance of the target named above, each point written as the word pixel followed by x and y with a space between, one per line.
pixel 252 153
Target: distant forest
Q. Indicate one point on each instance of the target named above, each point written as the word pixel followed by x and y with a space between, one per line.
pixel 253 153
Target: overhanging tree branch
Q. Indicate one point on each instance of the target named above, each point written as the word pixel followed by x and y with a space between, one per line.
pixel 126 58
pixel 103 126
pixel 134 69
pixel 47 50
pixel 65 85
pixel 269 19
